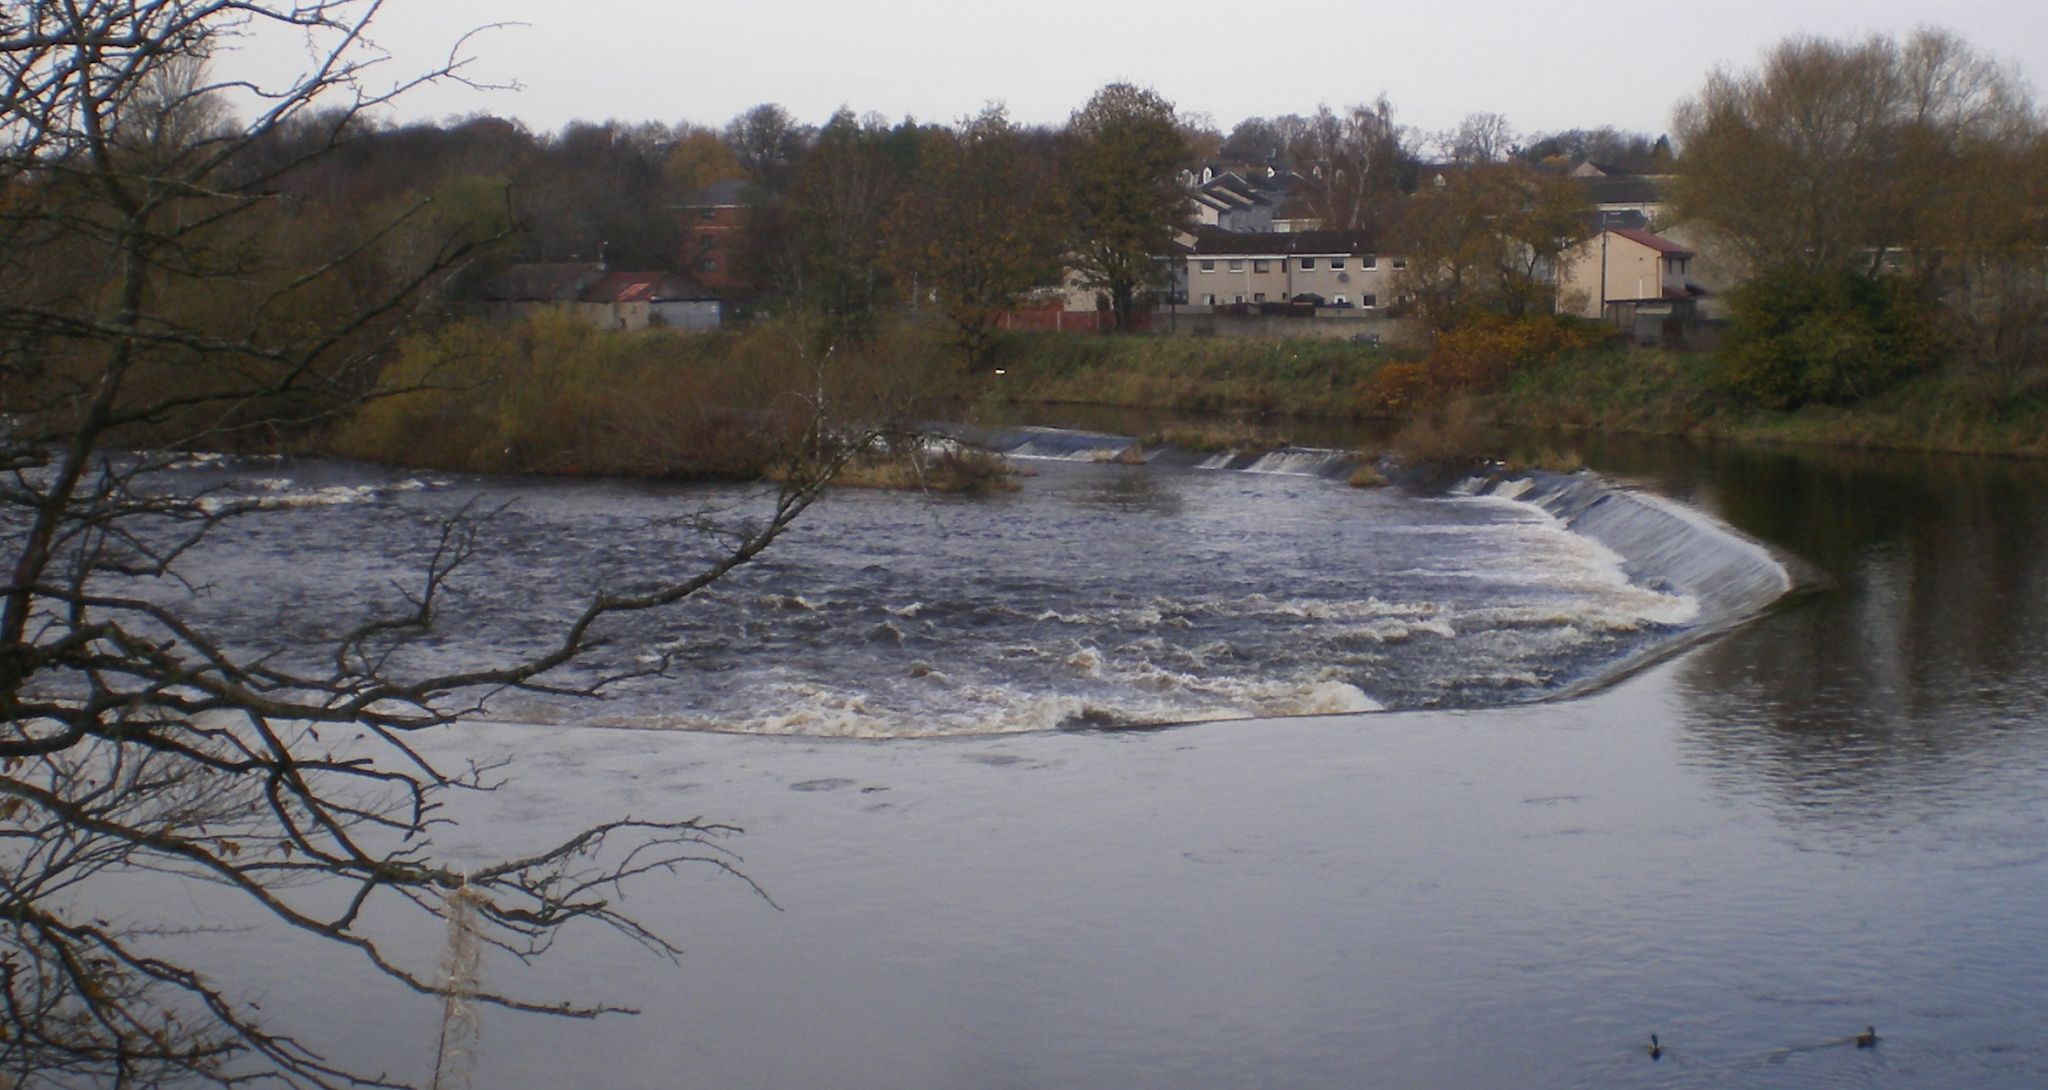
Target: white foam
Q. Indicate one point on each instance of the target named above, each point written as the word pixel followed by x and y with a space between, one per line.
pixel 1299 461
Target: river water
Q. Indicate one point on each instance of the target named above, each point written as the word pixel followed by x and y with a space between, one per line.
pixel 1832 815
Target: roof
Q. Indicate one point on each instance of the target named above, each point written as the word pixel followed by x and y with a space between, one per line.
pixel 1655 242
pixel 1287 243
pixel 587 282
pixel 1602 219
pixel 541 282
pixel 645 287
pixel 1628 189
pixel 726 193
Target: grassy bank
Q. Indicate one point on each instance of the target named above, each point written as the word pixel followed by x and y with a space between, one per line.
pixel 1479 380
pixel 1649 391
pixel 1193 375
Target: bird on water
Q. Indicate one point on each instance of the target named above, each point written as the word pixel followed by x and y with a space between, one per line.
pixel 1656 1049
pixel 1868 1038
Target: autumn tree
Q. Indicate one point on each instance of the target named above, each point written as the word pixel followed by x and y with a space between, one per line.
pixel 1847 154
pixel 698 158
pixel 1912 160
pixel 978 230
pixel 1124 149
pixel 1484 239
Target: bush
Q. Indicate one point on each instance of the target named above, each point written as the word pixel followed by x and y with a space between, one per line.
pixel 1801 337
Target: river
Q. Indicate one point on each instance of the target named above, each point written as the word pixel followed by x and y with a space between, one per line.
pixel 1832 815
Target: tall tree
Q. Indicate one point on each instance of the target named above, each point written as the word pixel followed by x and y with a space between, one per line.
pixel 1837 154
pixel 769 145
pixel 1254 140
pixel 819 244
pixel 1915 162
pixel 1124 150
pixel 1356 163
pixel 599 188
pixel 979 229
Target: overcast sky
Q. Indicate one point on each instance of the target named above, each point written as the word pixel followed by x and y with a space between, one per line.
pixel 1544 65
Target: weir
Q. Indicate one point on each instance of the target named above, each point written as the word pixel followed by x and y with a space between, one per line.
pixel 1057 444
pixel 1663 545
pixel 1234 585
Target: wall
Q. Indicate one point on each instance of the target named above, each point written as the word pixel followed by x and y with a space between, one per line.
pixel 1326 325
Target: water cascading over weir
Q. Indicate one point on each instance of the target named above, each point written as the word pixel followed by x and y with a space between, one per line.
pixel 1663 545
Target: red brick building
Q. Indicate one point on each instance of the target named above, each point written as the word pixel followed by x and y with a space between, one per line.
pixel 714 223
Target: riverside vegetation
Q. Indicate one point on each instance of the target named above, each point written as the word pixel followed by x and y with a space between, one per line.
pixel 550 395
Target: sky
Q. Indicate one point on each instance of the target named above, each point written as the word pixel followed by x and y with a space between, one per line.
pixel 1545 66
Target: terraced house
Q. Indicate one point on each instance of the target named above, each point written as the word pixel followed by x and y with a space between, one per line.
pixel 1341 269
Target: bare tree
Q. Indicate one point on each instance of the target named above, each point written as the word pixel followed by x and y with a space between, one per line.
pixel 143 301
pixel 1480 138
pixel 1355 159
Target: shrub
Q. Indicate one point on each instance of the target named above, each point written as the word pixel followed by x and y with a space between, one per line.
pixel 1801 337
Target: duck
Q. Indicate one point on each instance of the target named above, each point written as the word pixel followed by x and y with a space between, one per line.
pixel 1656 1048
pixel 1868 1038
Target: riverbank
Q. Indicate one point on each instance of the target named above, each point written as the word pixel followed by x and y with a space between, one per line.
pixel 553 396
pixel 1601 387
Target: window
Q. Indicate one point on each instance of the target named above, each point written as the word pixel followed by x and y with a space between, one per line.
pixel 1259 266
pixel 1338 263
pixel 1307 263
pixel 1238 299
pixel 1674 266
pixel 1369 263
pixel 1208 266
pixel 1209 300
pixel 1258 297
pixel 1237 265
pixel 1400 262
pixel 1368 301
pixel 1340 301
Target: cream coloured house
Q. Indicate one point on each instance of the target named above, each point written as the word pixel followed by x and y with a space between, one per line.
pixel 1623 266
pixel 1337 268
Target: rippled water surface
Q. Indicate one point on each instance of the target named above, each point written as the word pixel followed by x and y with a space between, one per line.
pixel 1834 816
pixel 1094 595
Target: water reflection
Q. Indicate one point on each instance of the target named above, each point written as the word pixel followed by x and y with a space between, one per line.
pixel 1133 491
pixel 1915 682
